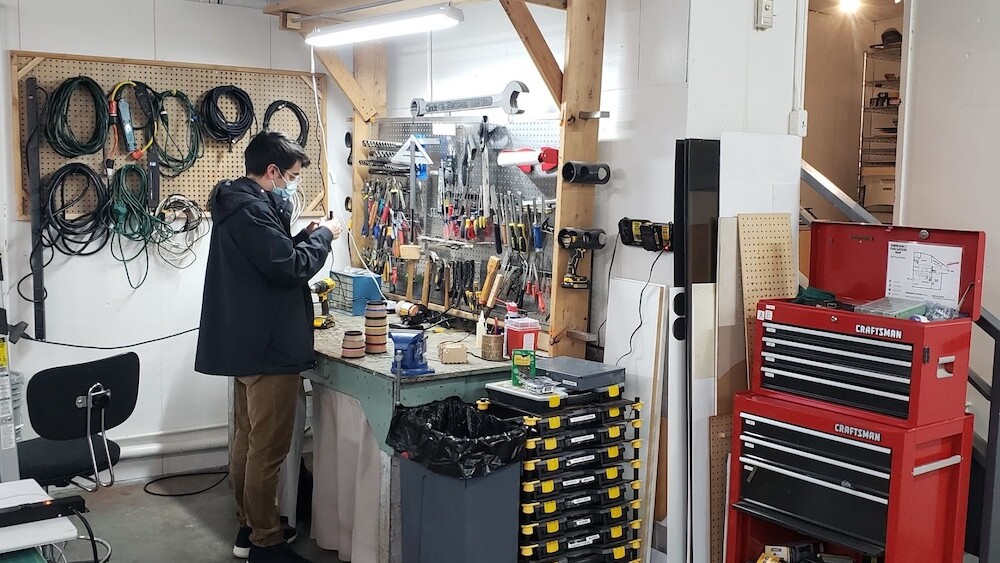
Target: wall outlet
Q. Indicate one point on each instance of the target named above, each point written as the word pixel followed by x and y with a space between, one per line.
pixel 798 123
pixel 764 15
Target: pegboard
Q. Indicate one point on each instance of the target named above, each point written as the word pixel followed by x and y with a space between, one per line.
pixel 219 161
pixel 430 221
pixel 767 262
pixel 720 446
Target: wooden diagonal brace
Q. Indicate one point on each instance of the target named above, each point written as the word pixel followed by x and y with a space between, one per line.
pixel 360 99
pixel 538 49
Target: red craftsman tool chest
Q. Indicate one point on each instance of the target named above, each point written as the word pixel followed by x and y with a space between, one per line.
pixel 862 487
pixel 890 370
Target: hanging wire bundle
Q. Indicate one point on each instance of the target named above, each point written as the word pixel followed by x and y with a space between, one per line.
pixel 174 157
pixel 300 115
pixel 129 221
pixel 187 225
pixel 79 234
pixel 58 132
pixel 216 124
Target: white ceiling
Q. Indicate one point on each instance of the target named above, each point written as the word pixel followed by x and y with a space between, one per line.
pixel 871 10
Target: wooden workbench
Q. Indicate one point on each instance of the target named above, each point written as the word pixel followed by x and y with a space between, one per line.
pixel 371 382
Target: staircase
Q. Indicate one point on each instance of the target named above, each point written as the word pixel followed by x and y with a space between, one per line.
pixel 982 537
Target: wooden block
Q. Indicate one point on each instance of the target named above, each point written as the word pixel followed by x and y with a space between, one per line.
pixel 660 504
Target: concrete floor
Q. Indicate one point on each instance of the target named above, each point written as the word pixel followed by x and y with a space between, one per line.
pixel 197 529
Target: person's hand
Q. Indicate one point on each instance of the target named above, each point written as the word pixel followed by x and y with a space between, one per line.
pixel 312 226
pixel 334 226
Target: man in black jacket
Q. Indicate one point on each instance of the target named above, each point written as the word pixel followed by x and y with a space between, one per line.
pixel 256 326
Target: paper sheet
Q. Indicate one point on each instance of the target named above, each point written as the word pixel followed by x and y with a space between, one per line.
pixel 924 272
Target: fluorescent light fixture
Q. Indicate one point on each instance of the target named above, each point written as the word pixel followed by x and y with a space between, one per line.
pixel 849 6
pixel 420 20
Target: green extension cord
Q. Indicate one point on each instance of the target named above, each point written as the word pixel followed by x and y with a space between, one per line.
pixel 129 221
pixel 173 164
pixel 58 132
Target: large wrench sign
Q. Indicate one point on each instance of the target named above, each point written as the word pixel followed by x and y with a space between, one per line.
pixel 506 100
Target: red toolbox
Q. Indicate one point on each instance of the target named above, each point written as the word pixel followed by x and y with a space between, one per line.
pixel 862 487
pixel 894 371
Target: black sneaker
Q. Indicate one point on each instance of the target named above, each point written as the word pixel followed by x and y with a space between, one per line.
pixel 280 553
pixel 241 547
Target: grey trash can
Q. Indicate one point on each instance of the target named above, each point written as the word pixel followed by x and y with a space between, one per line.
pixel 449 520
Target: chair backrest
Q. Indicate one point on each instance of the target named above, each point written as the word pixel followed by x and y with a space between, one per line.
pixel 57 397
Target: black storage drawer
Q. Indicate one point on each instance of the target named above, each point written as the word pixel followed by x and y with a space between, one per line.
pixel 831 446
pixel 851 512
pixel 826 354
pixel 848 475
pixel 836 342
pixel 831 390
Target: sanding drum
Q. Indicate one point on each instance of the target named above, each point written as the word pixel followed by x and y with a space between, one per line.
pixel 354 344
pixel 376 327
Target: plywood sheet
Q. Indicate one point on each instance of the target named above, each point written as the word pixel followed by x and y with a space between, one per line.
pixel 767 259
pixel 219 161
pixel 731 340
pixel 720 445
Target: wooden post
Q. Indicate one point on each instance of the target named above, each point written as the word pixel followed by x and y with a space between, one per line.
pixel 425 294
pixel 581 91
pixel 370 73
pixel 411 272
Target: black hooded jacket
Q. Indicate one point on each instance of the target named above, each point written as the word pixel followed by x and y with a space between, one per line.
pixel 256 311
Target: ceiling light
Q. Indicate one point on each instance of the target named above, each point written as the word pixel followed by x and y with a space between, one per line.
pixel 849 6
pixel 407 22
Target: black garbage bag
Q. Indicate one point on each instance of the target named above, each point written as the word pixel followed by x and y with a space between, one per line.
pixel 452 438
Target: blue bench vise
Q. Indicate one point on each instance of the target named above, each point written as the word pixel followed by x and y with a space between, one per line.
pixel 409 357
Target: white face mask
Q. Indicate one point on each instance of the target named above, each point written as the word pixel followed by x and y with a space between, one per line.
pixel 289 189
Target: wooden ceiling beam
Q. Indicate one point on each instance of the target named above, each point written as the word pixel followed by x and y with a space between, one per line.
pixel 538 49
pixel 558 4
pixel 364 105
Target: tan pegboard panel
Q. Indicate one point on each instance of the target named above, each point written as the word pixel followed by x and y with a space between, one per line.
pixel 767 259
pixel 218 162
pixel 720 446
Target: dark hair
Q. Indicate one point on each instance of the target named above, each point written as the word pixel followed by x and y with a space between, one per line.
pixel 273 147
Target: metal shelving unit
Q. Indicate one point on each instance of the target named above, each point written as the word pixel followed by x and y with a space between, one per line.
pixel 877 151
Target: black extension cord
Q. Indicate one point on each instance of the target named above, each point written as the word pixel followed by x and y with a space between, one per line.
pixel 147 490
pixel 215 123
pixel 58 132
pixel 80 235
pixel 279 105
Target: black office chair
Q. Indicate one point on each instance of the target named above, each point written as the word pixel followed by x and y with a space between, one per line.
pixel 72 408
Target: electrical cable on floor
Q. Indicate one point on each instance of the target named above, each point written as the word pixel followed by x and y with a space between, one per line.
pixel 173 164
pixel 58 132
pixel 300 115
pixel 641 292
pixel 216 125
pixel 124 347
pixel 224 474
pixel 90 533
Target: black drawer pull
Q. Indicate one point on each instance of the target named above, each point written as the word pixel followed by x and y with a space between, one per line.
pixel 814 433
pixel 837 351
pixel 842 369
pixel 837 336
pixel 752 465
pixel 830 383
pixel 800 453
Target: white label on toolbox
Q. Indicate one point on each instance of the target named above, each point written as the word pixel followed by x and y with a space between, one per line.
pixel 583 522
pixel 771 307
pixel 760 315
pixel 568 382
pixel 769 314
pixel 580 481
pixel 583 459
pixel 748 446
pixel 581 500
pixel 584 541
pixel 579 439
pixel 583 418
pixel 750 422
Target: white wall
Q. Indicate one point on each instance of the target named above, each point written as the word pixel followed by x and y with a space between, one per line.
pixel 952 113
pixel 89 300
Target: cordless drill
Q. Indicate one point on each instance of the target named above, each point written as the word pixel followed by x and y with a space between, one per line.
pixel 322 289
pixel 579 241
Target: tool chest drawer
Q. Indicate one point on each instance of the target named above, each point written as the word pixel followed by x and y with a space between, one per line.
pixel 605 543
pixel 604 496
pixel 878 489
pixel 895 371
pixel 578 439
pixel 581 459
pixel 582 417
pixel 570 481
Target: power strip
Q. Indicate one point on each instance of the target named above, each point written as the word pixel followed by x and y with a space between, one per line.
pixel 43 510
